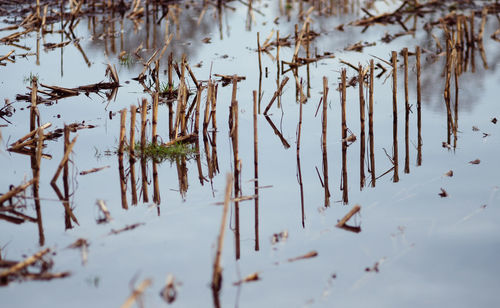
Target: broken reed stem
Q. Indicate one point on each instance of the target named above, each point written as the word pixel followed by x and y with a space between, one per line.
pixel 348 216
pixel 123 118
pixel 234 137
pixel 217 269
pixel 21 142
pixel 34 109
pixel 323 134
pixel 447 91
pixel 197 110
pixel 178 113
pixel 197 85
pixel 419 111
pixel 299 128
pixel 155 118
pixel 256 169
pixel 308 55
pixel 133 111
pixel 213 114
pixel 66 169
pixel 361 80
pixel 25 263
pixel 144 112
pixel 395 115
pixel 14 191
pixel 136 293
pixel 344 187
pixel 258 51
pixel 156 184
pixel 370 124
pixel 64 160
pixel 276 94
pixel 407 113
pixel 170 79
pixel 206 119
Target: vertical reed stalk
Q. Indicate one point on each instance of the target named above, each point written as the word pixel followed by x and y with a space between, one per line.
pixel 362 149
pixel 256 170
pixel 407 113
pixel 144 112
pixel 324 139
pixel 419 110
pixel 344 185
pixel 370 125
pixel 395 115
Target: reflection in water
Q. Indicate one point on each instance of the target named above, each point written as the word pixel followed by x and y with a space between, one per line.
pixel 457 62
pixel 256 168
pixel 395 158
pixel 343 183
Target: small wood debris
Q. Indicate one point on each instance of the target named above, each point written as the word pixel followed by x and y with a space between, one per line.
pixel 104 210
pixel 374 268
pixel 494 120
pixel 83 245
pixel 136 293
pixel 359 46
pixel 449 173
pixel 443 193
pixel 475 128
pixel 350 139
pixel 475 162
pixel 228 79
pixel 207 40
pixel 126 228
pixel 279 237
pixel 308 255
pixel 249 278
pixel 355 209
pixel 446 145
pixel 93 170
pixel 169 292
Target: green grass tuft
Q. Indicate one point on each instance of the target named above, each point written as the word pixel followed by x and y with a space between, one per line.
pixel 29 79
pixel 160 153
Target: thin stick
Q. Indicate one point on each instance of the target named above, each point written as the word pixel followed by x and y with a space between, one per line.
pixel 144 112
pixel 64 160
pixel 25 263
pixel 123 118
pixel 14 191
pixel 33 110
pixel 348 216
pixel 361 80
pixel 197 110
pixel 136 293
pixel 370 124
pixel 133 111
pixel 276 94
pixel 258 51
pixel 155 117
pixel 323 134
pixel 217 269
pixel 419 111
pixel 395 115
pixel 256 170
pixel 234 137
pixel 407 114
pixel 345 186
